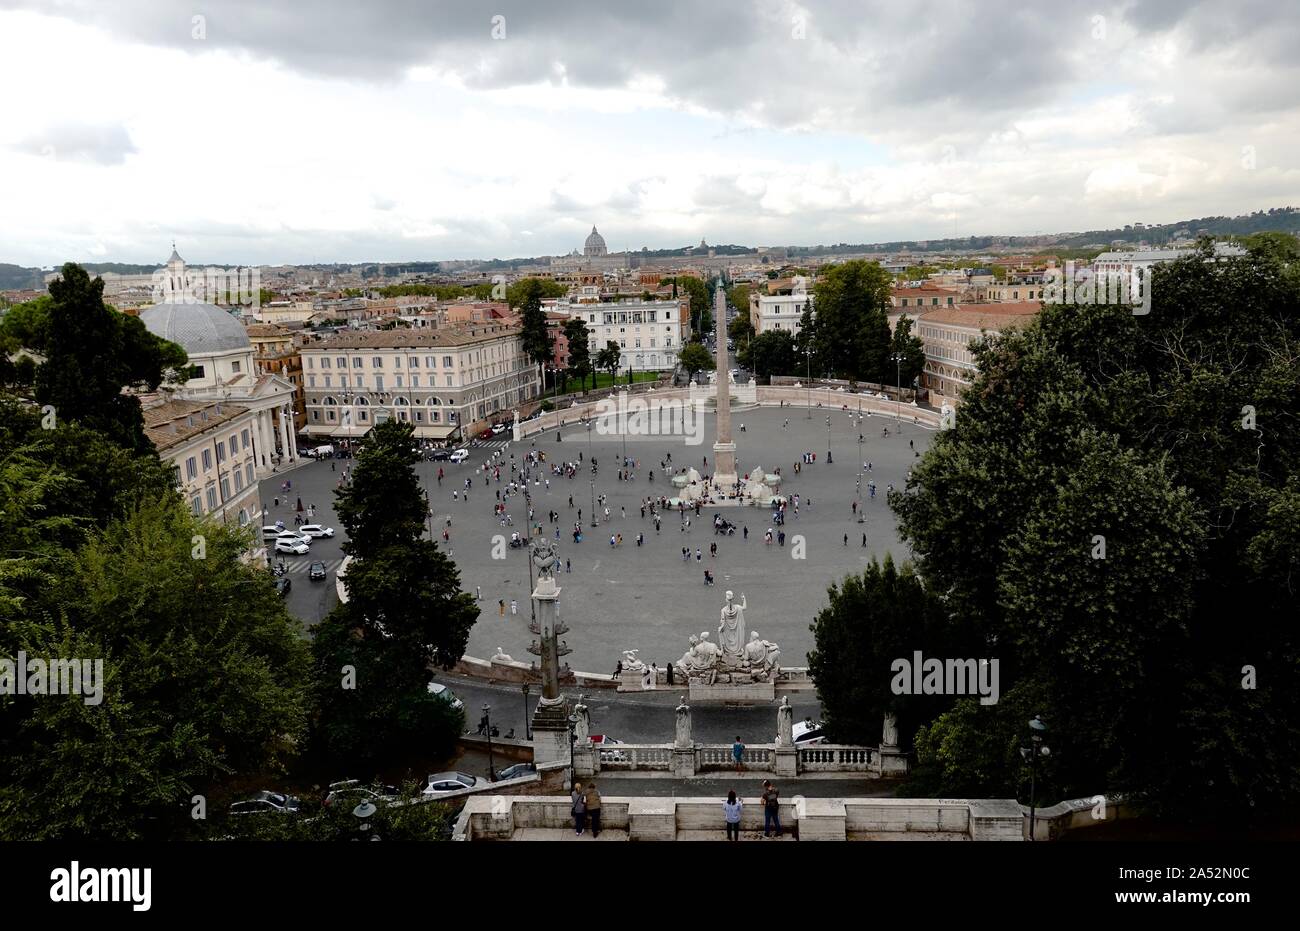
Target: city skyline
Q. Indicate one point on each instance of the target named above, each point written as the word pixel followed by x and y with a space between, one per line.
pixel 478 134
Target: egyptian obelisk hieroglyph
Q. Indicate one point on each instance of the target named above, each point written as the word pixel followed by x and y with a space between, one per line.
pixel 724 450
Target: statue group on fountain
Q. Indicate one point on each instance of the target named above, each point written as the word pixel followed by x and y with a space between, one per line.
pixel 733 658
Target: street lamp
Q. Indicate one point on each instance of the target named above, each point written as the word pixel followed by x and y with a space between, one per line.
pixel 487 711
pixel 591 463
pixel 1031 753
pixel 363 813
pixel 898 389
pixel 528 733
pixel 829 460
pixel 573 724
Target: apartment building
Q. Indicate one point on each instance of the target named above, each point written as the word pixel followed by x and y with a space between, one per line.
pixel 212 449
pixel 448 382
pixel 650 333
pixel 947 333
pixel 770 313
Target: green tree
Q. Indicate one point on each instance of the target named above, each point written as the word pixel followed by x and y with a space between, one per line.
pixel 911 349
pixel 535 339
pixel 575 331
pixel 1106 515
pixel 526 289
pixel 609 357
pixel 852 334
pixel 698 292
pixel 807 341
pixel 92 353
pixel 694 358
pixel 772 353
pixel 405 613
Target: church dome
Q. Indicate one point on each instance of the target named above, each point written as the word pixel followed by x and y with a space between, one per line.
pixel 199 329
pixel 595 244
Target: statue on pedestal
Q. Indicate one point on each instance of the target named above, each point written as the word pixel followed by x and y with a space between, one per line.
pixel 631 663
pixel 784 723
pixel 545 557
pixel 700 661
pixel 890 736
pixel 683 741
pixel 582 729
pixel 731 627
pixel 760 659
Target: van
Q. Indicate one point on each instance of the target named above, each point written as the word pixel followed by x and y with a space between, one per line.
pixel 323 452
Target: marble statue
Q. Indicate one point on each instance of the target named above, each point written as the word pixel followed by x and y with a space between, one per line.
pixel 501 656
pixel 890 736
pixel 784 723
pixel 760 658
pixel 700 661
pixel 545 557
pixel 731 627
pixel 683 741
pixel 582 729
pixel 631 663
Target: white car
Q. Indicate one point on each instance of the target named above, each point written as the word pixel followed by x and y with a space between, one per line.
pixel 808 733
pixel 315 530
pixel 437 688
pixel 460 455
pixel 297 547
pixel 442 783
pixel 293 535
pixel 498 429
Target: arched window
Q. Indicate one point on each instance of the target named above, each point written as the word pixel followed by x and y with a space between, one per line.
pixel 330 402
pixel 401 402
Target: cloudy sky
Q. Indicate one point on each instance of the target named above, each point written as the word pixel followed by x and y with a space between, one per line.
pixel 407 129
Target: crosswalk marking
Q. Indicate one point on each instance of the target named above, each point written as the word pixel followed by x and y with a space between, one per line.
pixel 303 563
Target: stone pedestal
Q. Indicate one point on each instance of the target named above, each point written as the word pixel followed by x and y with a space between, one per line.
pixel 586 760
pixel 996 819
pixel 786 761
pixel 683 762
pixel 821 819
pixel 733 691
pixel 551 733
pixel 629 681
pixel 893 762
pixel 652 819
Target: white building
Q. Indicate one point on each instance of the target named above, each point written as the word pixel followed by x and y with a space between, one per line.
pixel 1124 262
pixel 222 368
pixel 649 333
pixel 770 313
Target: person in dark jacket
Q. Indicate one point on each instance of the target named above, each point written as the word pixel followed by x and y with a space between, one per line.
pixel 579 809
pixel 592 799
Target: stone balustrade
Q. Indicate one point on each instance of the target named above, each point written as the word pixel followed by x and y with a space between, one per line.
pixel 838 758
pixel 678 818
pixel 702 758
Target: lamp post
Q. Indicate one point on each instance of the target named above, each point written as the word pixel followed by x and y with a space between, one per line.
pixel 573 723
pixel 487 711
pixel 363 813
pixel 828 440
pixel 1031 753
pixel 591 463
pixel 898 389
pixel 528 733
pixel 807 358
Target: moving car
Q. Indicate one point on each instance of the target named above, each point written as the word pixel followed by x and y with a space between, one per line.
pixel 442 783
pixel 498 429
pixel 437 688
pixel 315 530
pixel 282 586
pixel 293 535
pixel 514 772
pixel 459 455
pixel 439 455
pixel 296 546
pixel 352 792
pixel 486 435
pixel 317 571
pixel 808 733
pixel 267 803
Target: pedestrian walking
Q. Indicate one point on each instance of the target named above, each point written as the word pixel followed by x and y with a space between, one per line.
pixel 501 606
pixel 478 592
pixel 738 754
pixel 579 809
pixel 846 539
pixel 771 809
pixel 592 800
pixel 864 539
pixel 514 606
pixel 731 810
pixel 568 565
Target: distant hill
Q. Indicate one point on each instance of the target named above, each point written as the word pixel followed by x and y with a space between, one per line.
pixel 16 277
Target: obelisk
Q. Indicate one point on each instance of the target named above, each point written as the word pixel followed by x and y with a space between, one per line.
pixel 724 450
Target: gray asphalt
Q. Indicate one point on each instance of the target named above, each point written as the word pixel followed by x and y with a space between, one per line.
pixel 646 597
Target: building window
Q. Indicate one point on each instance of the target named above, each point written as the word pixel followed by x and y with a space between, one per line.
pixel 244 438
pixel 248 472
pixel 446 362
pixel 415 381
pixel 212 498
pixel 207 460
pixel 356 362
pixel 341 362
pixel 225 488
pixel 243 517
pixel 234 367
pixel 221 451
pixel 191 468
pixel 311 381
pixel 376 362
pixel 362 415
pixel 324 362
pixel 196 505
pixel 239 480
pixel 234 444
pixel 413 362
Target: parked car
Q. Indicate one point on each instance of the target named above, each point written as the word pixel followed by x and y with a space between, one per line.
pixel 317 571
pixel 352 792
pixel 442 783
pixel 297 546
pixel 315 530
pixel 293 535
pixel 808 733
pixel 459 455
pixel 498 429
pixel 514 772
pixel 439 455
pixel 270 532
pixel 437 688
pixel 486 434
pixel 282 586
pixel 267 803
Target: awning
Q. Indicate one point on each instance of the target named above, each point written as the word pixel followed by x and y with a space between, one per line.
pixel 340 430
pixel 435 431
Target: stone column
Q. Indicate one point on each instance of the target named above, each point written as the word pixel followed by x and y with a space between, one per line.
pixel 551 718
pixel 683 743
pixel 787 757
pixel 724 450
pixel 263 456
pixel 291 431
pixel 284 438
